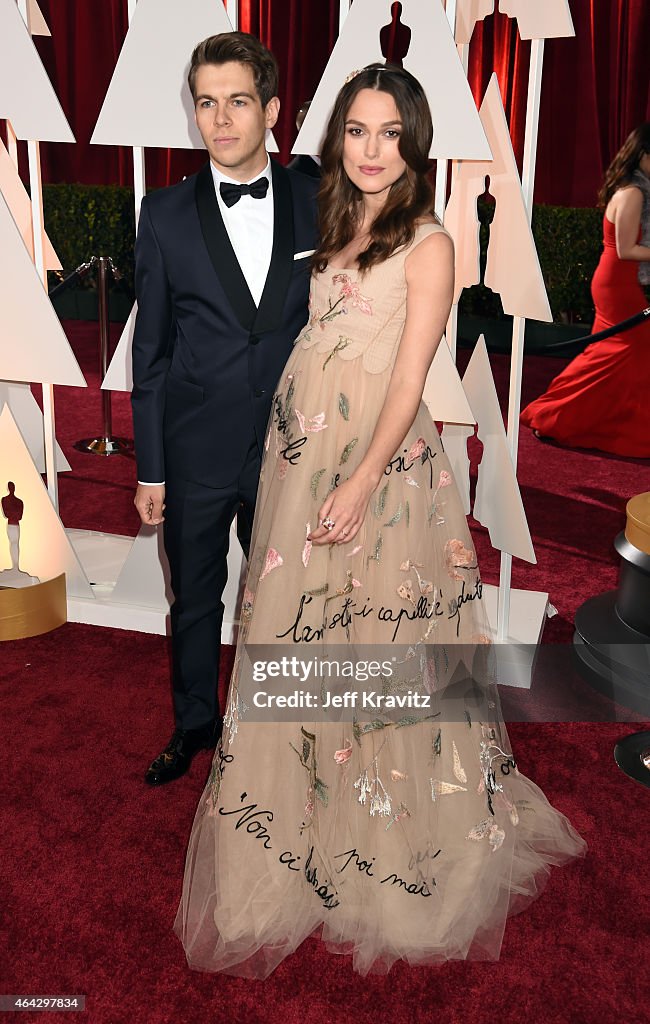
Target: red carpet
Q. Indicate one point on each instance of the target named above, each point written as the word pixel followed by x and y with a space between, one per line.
pixel 93 865
pixel 92 860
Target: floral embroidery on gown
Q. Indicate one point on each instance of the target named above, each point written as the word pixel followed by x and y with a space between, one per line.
pixel 392 838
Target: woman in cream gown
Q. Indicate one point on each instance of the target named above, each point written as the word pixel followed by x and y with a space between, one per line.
pixel 402 829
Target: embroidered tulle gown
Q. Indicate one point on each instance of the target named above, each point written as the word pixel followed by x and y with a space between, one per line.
pixel 390 834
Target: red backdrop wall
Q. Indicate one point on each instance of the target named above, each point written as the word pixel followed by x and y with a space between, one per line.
pixel 594 89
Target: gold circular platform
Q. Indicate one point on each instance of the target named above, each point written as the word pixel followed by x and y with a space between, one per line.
pixel 30 611
pixel 637 528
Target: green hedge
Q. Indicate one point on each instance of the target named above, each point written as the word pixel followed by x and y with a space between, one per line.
pixel 91 220
pixel 97 220
pixel 569 243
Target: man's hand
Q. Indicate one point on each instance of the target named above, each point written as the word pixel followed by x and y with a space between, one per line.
pixel 150 503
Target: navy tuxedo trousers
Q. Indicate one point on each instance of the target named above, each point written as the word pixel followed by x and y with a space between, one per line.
pixel 197 532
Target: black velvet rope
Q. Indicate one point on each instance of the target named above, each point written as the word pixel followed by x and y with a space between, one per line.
pixel 624 325
pixel 76 275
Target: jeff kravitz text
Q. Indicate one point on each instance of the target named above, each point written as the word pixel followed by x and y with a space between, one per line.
pixel 350 699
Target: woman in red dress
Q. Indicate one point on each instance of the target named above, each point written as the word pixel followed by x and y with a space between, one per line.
pixel 602 399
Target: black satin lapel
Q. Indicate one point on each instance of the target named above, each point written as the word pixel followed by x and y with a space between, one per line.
pixel 222 254
pixel 271 307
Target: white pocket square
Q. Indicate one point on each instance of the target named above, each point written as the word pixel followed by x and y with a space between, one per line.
pixel 302 255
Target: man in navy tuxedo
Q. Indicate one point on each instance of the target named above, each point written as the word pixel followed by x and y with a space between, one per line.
pixel 222 283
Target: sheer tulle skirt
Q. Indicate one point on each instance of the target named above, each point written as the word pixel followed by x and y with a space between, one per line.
pixel 432 880
pixel 392 839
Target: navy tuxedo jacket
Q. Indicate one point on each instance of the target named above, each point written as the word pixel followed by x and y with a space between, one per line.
pixel 305 165
pixel 206 360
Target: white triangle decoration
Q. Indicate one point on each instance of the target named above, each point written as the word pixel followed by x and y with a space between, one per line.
pixel 37 23
pixel 497 504
pixel 454 441
pixel 33 344
pixel 148 102
pixel 462 223
pixel 433 59
pixel 443 390
pixel 468 12
pixel 119 376
pixel 20 205
pixel 26 94
pixel 144 579
pixel 512 267
pixel 45 550
pixel 29 418
pixel 536 20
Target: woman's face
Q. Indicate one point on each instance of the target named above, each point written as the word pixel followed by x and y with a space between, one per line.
pixel 371 157
pixel 644 164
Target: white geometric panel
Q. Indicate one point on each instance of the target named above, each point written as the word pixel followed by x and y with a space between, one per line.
pixel 37 23
pixel 462 223
pixel 20 205
pixel 45 550
pixel 433 59
pixel 29 418
pixel 454 441
pixel 443 390
pixel 468 12
pixel 550 19
pixel 34 346
pixel 512 267
pixel 144 579
pixel 119 376
pixel 148 102
pixel 26 94
pixel 497 505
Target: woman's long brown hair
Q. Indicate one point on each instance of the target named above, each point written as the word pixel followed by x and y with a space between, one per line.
pixel 619 173
pixel 410 197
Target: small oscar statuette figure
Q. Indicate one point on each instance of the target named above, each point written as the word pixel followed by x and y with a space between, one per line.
pixel 12 509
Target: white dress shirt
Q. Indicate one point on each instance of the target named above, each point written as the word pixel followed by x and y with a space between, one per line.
pixel 249 224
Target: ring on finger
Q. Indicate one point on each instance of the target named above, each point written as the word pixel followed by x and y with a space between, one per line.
pixel 328 523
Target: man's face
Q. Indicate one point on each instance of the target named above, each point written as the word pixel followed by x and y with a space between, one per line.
pixel 231 119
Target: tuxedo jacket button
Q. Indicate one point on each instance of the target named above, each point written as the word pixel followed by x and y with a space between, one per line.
pixel 254 340
pixel 259 392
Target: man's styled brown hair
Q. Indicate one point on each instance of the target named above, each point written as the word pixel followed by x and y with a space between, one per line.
pixel 242 48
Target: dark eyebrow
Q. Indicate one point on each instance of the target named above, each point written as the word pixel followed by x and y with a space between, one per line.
pixel 233 96
pixel 386 124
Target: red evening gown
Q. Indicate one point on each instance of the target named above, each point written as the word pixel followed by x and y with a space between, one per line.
pixel 602 399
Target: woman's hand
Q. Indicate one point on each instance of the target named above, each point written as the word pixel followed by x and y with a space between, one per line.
pixel 346 508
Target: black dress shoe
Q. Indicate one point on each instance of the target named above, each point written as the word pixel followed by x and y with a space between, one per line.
pixel 177 756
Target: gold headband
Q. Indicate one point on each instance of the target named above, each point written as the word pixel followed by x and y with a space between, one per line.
pixel 353 74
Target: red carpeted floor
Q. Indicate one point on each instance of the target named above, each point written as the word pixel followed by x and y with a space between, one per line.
pixel 92 860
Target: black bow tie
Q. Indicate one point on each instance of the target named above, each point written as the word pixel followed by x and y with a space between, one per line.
pixel 231 194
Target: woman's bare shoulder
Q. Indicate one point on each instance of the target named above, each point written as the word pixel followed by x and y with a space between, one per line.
pixel 428 228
